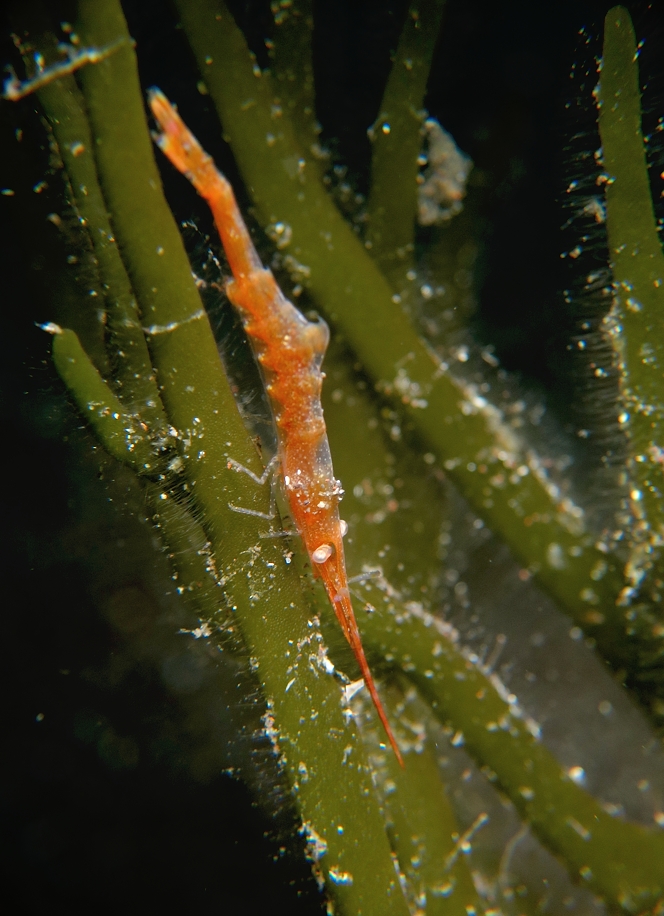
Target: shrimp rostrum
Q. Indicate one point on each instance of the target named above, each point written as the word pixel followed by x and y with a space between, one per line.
pixel 289 350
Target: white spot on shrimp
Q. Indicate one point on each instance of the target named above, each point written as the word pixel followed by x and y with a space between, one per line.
pixel 343 527
pixel 322 554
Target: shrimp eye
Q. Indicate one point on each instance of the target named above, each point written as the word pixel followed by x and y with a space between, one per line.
pixel 322 553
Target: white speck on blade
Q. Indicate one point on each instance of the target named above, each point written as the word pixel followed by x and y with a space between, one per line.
pixel 341 878
pixel 353 688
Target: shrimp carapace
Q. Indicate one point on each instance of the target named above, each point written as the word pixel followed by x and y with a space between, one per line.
pixel 289 350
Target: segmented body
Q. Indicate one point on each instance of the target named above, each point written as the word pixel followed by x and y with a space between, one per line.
pixel 290 350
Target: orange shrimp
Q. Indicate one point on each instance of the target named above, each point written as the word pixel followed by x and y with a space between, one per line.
pixel 289 350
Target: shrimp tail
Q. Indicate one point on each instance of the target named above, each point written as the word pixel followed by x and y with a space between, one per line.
pixel 346 617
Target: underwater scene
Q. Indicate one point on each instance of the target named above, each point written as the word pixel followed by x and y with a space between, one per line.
pixel 334 513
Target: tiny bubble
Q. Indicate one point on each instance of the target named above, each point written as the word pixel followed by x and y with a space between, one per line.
pixel 577 775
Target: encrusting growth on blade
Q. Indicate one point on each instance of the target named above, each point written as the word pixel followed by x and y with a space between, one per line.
pixel 289 350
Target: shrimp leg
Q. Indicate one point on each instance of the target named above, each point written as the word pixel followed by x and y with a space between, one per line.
pixel 289 350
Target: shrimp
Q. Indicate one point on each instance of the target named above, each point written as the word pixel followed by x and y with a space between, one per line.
pixel 289 350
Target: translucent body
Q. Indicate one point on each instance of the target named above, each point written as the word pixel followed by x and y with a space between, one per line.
pixel 290 351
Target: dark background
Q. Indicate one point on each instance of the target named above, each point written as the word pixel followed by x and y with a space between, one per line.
pixel 112 793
